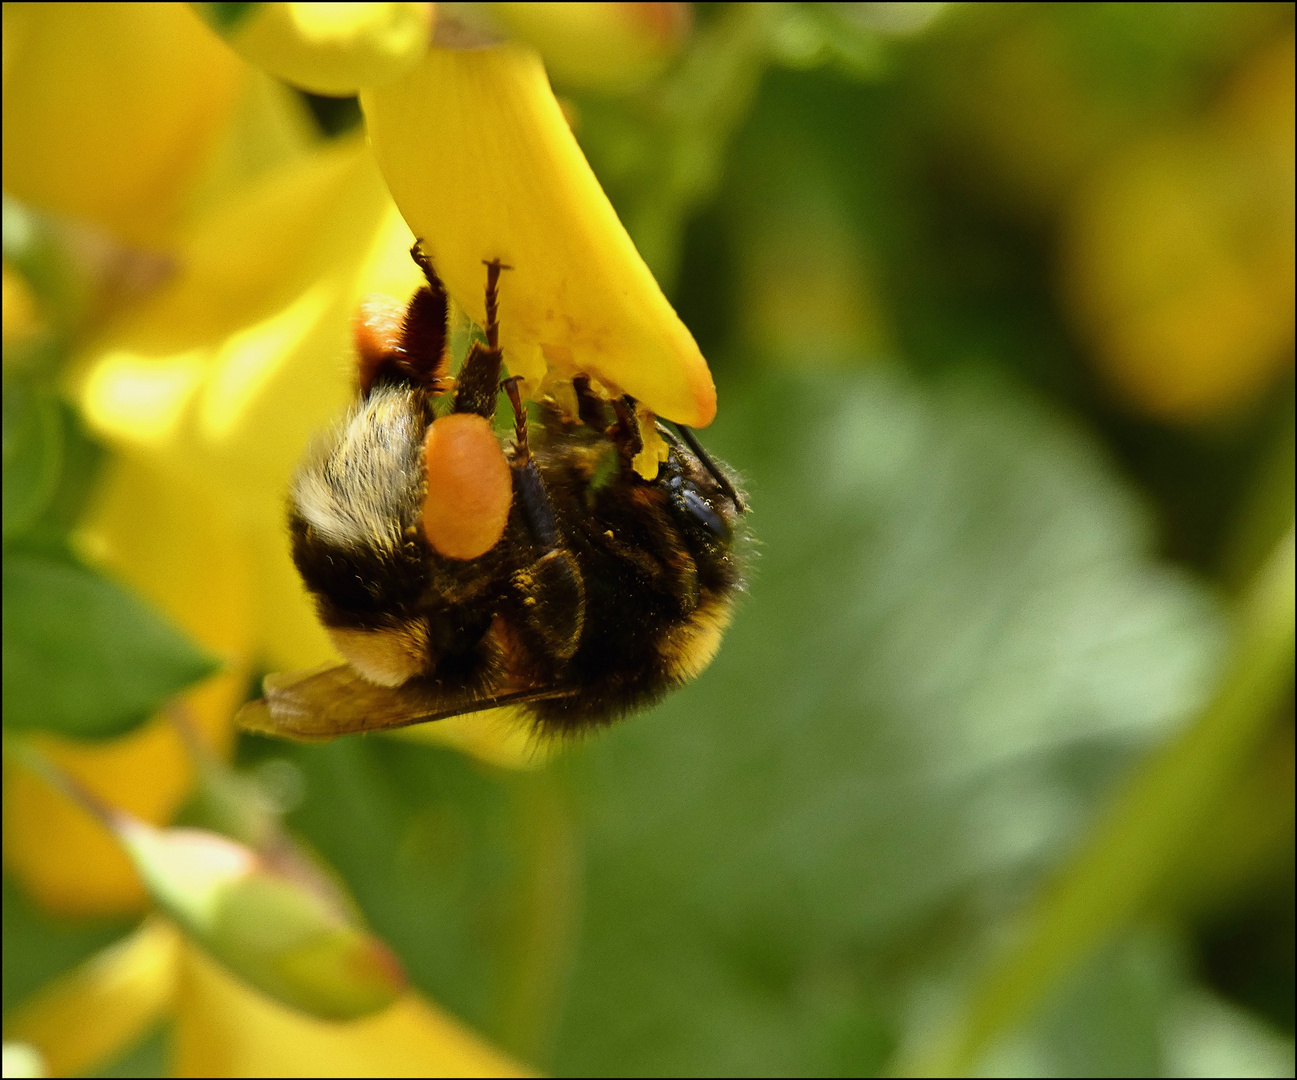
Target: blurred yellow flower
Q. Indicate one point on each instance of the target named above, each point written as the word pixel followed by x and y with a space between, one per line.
pixel 113 111
pixel 1179 260
pixel 605 46
pixel 327 48
pixel 225 1028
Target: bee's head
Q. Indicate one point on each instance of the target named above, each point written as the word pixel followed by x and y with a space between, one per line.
pixel 701 496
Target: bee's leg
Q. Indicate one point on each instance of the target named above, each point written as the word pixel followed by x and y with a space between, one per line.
pixel 425 264
pixel 417 353
pixel 423 338
pixel 528 487
pixel 551 588
pixel 479 378
pixel 523 455
pixel 552 593
pixel 625 433
pixel 591 408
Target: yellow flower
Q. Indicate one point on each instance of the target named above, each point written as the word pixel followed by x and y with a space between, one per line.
pixel 478 157
pixel 113 111
pixel 327 48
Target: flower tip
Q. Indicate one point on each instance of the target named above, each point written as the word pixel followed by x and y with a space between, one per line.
pixel 331 49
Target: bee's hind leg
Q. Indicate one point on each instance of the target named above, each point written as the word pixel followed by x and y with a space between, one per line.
pixel 551 589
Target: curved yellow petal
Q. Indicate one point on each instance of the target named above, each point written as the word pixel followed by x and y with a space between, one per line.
pixel 328 48
pixel 478 157
pixel 225 1028
pixel 230 367
pixel 103 1006
pixel 112 110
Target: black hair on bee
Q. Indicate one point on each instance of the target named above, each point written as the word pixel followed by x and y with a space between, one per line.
pixel 568 585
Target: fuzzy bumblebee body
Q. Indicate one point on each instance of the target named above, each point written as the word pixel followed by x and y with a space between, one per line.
pixel 595 593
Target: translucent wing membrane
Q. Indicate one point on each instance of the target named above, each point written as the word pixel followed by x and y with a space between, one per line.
pixel 329 701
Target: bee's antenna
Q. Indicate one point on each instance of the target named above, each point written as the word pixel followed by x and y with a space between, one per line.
pixel 689 437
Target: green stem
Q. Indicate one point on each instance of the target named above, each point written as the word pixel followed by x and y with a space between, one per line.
pixel 1139 838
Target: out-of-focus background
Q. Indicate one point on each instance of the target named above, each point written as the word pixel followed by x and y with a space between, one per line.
pixel 999 303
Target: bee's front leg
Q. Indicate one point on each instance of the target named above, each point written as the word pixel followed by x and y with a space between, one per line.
pixel 478 388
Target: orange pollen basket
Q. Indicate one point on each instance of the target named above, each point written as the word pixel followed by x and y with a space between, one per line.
pixel 470 488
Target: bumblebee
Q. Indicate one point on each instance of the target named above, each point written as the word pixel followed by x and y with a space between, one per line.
pixel 457 572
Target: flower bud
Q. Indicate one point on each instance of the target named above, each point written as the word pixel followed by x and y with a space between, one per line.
pixel 599 46
pixel 268 925
pixel 326 48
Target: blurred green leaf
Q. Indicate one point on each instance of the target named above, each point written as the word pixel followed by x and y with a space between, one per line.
pixel 151 1056
pixel 33 454
pixel 84 657
pixel 1143 834
pixel 82 457
pixel 954 640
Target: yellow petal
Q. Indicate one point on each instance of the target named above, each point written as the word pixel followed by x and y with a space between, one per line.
pixel 112 110
pixel 235 363
pixel 605 46
pixel 497 736
pixel 225 1028
pixel 328 48
pixel 478 157
pixel 102 1007
pixel 271 126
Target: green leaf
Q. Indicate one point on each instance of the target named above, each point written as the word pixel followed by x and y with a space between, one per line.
pixel 33 454
pixel 955 638
pixel 84 657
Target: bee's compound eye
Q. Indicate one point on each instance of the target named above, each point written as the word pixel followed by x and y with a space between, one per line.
pixel 701 511
pixel 376 332
pixel 470 488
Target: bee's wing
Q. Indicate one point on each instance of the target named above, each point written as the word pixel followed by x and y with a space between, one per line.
pixel 329 701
